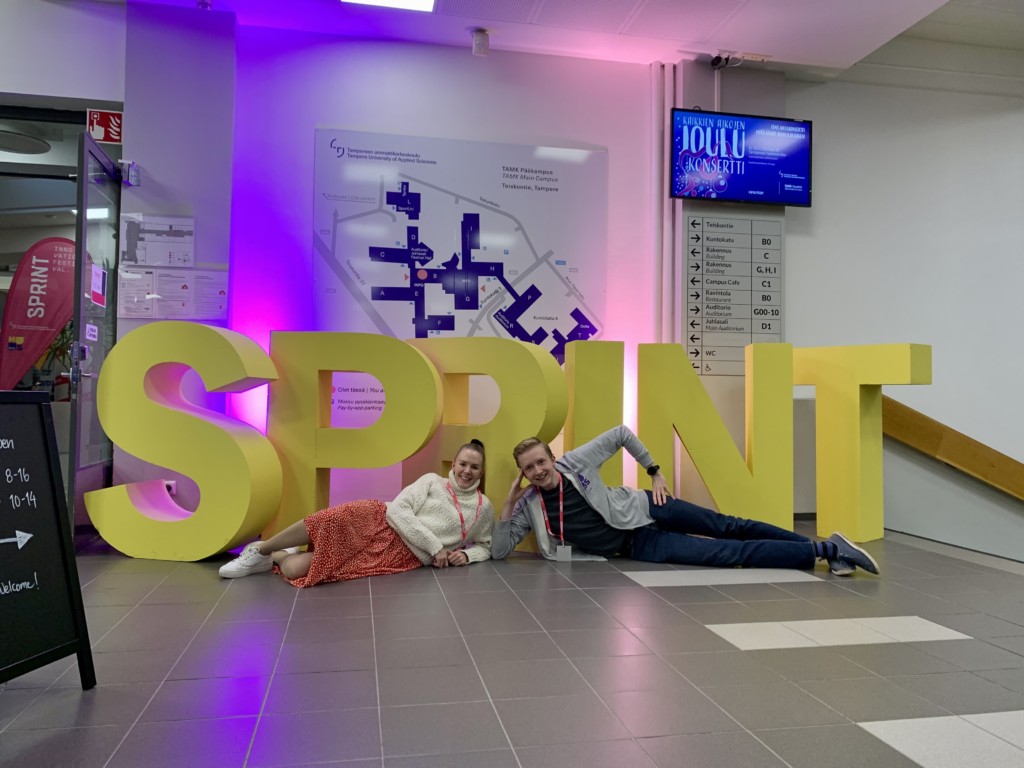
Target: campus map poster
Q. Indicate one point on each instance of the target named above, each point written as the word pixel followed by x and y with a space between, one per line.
pixel 419 237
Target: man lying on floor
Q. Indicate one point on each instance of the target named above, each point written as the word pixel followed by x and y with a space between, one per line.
pixel 577 517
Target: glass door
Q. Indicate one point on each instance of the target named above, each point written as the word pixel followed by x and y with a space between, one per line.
pixel 95 319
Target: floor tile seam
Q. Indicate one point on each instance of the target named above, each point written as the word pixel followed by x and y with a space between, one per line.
pixel 660 656
pixel 857 663
pixel 818 643
pixel 71 662
pixel 943 599
pixel 423 704
pixel 949 712
pixel 404 755
pixel 251 716
pixel 270 681
pixel 834 582
pixel 572 664
pixel 962 718
pixel 787 624
pixel 938 547
pixel 861 619
pixel 977 673
pixel 784 596
pixel 167 674
pixel 925 649
pixel 906 690
pixel 850 720
pixel 993 733
pixel 480 677
pixel 376 673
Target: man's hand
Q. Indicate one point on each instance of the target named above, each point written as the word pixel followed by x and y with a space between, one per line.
pixel 515 493
pixel 659 489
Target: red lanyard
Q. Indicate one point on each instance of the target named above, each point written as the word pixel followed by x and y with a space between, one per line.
pixel 458 508
pixel 561 512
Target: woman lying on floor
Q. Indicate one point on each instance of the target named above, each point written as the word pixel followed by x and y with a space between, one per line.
pixel 439 521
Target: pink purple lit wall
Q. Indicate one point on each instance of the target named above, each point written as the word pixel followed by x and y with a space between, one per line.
pixel 289 83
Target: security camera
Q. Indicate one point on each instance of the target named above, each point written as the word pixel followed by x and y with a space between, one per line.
pixel 719 62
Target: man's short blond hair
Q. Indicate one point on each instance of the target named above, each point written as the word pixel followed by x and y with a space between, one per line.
pixel 527 444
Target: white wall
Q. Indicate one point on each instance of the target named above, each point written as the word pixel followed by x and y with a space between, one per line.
pixel 916 236
pixel 70 50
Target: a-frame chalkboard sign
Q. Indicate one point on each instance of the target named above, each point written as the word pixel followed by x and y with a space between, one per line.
pixel 40 596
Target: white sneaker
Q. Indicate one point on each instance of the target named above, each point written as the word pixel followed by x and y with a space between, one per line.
pixel 250 561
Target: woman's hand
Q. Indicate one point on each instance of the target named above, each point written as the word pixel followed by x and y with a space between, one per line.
pixel 659 489
pixel 441 559
pixel 458 557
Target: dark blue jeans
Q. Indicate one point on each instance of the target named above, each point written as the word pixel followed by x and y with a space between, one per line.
pixel 676 536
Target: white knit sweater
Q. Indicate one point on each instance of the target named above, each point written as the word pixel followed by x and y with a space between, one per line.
pixel 424 515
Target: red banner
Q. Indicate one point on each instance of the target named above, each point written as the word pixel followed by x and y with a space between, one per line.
pixel 39 305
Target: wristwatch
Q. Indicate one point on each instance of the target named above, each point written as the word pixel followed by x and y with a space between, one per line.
pixel 653 470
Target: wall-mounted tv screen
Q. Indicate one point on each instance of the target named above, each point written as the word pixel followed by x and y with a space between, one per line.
pixel 740 158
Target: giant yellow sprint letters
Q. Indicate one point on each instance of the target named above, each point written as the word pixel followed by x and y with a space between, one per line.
pixel 300 411
pixel 848 427
pixel 243 480
pixel 671 398
pixel 533 402
pixel 144 412
pixel 594 375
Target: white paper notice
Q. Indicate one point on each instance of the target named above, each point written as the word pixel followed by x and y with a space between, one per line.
pixel 211 295
pixel 134 289
pixel 176 291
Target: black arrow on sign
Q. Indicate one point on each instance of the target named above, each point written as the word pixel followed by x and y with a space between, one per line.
pixel 695 310
pixel 695 237
pixel 694 223
pixel 694 280
pixel 695 252
pixel 695 266
pixel 694 324
pixel 695 296
pixel 694 338
pixel 695 352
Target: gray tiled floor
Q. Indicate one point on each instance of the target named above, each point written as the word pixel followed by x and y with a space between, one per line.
pixel 527 664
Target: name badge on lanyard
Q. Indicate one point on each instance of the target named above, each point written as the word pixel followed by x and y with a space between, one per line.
pixel 563 551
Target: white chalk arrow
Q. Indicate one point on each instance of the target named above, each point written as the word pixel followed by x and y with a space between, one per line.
pixel 19 536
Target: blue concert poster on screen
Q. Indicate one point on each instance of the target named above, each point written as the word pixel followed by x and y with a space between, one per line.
pixel 740 158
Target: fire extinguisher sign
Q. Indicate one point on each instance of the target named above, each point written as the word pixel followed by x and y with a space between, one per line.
pixel 104 126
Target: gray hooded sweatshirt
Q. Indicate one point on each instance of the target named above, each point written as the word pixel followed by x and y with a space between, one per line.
pixel 621 507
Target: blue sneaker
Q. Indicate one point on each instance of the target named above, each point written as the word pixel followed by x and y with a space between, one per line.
pixel 850 557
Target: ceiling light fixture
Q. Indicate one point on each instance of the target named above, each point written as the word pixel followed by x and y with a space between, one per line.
pixel 405 5
pixel 20 143
pixel 94 214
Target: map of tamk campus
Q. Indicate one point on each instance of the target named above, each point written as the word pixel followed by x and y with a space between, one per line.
pixel 417 238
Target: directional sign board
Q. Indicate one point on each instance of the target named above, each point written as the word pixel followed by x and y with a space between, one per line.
pixel 733 288
pixel 40 597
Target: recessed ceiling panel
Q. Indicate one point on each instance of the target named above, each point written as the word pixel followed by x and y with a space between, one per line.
pixel 605 16
pixel 682 19
pixel 492 10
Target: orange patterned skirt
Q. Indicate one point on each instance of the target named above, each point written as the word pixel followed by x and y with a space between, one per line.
pixel 353 540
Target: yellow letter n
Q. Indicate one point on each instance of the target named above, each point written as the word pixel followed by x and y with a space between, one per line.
pixel 671 398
